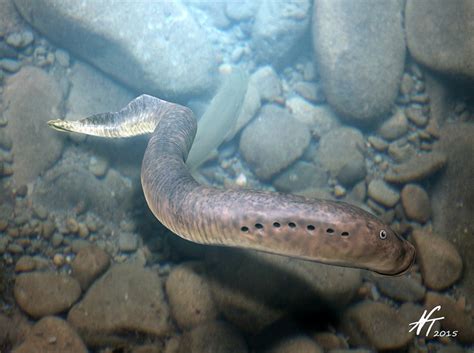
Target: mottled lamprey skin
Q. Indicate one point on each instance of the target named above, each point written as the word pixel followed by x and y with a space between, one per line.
pixel 319 230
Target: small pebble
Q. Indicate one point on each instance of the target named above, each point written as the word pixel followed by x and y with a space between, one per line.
pixel 378 143
pixel 416 203
pixel 407 84
pixel 241 180
pixel 127 226
pixel 339 191
pixel 14 39
pixel 127 242
pixel 383 193
pixel 25 264
pixel 416 115
pixel 57 239
pixel 21 191
pixel 395 127
pixel 4 241
pixel 62 57
pixel 98 166
pixel 48 229
pixel 400 152
pixel 20 40
pixel 83 231
pixel 40 212
pixel 15 248
pixel 58 260
pixel 3 225
pixel 13 232
pixel 72 225
pixel 10 65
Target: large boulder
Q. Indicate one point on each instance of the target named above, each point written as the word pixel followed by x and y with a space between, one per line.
pixel 453 197
pixel 440 34
pixel 360 50
pixel 126 299
pixel 154 47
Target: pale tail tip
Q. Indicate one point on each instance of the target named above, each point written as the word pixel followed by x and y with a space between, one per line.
pixel 58 124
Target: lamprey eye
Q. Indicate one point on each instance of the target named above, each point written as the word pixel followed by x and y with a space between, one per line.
pixel 383 234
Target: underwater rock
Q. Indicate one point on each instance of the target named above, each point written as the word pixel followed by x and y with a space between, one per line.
pixel 67 185
pixel 352 172
pixel 300 344
pixel 400 151
pixel 189 295
pixel 452 198
pixel 254 289
pixel 32 97
pixel 214 336
pixel 456 317
pixel 416 203
pixel 126 299
pixel 241 10
pixel 416 115
pixel 418 167
pixel 339 147
pixel 403 288
pixel 127 242
pixel 45 293
pixel 394 127
pixel 158 49
pixel 302 175
pixel 51 335
pixel 440 35
pixel 267 82
pixel 380 191
pixel 98 166
pixel 273 140
pixel 320 118
pixel 278 27
pixel 361 65
pixel 375 325
pixel 90 262
pixel 330 341
pixel 440 262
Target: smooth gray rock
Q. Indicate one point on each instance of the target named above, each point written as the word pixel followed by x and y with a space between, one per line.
pixel 153 47
pixel 45 293
pixel 383 193
pixel 278 27
pixel 394 127
pixel 360 50
pixel 273 141
pixel 126 299
pixel 66 186
pixel 32 97
pixel 339 147
pixel 301 176
pixel 440 35
pixel 403 288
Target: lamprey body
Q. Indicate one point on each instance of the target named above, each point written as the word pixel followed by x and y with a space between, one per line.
pixel 319 230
